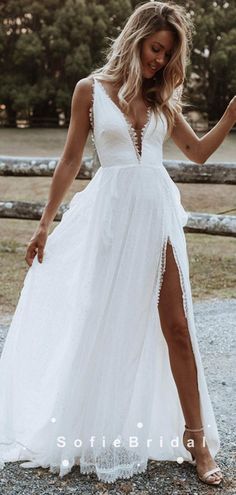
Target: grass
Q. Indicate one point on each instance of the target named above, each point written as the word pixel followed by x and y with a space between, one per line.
pixel 212 261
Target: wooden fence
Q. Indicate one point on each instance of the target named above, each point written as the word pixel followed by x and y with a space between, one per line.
pixel 179 171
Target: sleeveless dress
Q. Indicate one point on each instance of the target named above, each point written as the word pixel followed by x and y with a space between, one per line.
pixel 85 376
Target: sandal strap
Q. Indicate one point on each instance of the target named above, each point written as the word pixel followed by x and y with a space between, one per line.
pixel 212 471
pixel 195 429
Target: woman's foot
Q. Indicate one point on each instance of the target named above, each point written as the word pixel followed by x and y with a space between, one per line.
pixel 195 442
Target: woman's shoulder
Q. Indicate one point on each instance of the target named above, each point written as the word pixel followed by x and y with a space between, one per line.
pixel 84 89
pixel 85 83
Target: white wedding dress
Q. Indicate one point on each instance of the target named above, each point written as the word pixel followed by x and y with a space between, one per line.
pixel 85 376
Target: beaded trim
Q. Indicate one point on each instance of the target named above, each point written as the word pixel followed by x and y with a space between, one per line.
pixel 134 135
pixel 161 271
pixel 184 297
pixel 91 116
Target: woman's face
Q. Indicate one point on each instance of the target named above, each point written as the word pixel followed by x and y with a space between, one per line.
pixel 156 52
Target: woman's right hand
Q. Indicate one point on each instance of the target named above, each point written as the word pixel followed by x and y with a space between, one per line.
pixel 36 245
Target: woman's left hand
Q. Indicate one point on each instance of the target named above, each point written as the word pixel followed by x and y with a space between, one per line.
pixel 231 108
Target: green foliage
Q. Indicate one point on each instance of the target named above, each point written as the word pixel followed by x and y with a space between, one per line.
pixel 213 55
pixel 46 47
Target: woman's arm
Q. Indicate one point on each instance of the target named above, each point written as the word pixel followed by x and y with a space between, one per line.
pixel 199 149
pixel 70 161
pixel 67 167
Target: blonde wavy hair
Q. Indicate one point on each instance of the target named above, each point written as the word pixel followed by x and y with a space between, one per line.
pixel 163 91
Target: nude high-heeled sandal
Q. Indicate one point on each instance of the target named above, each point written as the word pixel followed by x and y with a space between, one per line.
pixel 206 475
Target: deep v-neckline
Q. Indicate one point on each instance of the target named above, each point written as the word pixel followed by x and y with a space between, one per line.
pixel 131 130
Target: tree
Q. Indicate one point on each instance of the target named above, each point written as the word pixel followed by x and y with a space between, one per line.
pixel 46 47
pixel 213 56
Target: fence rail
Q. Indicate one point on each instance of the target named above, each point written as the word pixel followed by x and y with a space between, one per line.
pixel 179 171
pixel 204 223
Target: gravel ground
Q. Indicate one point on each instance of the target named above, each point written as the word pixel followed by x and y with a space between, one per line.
pixel 215 323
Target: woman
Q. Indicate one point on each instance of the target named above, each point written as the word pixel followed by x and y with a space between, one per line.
pixel 101 365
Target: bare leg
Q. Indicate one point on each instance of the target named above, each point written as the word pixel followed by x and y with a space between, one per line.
pixel 182 361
